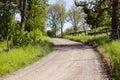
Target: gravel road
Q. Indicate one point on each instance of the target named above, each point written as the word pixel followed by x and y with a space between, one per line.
pixel 69 61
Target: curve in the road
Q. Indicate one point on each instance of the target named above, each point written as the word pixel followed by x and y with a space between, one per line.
pixel 69 61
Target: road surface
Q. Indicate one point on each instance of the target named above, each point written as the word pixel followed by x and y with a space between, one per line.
pixel 69 61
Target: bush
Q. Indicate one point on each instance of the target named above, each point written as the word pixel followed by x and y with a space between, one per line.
pixel 27 38
pixel 50 33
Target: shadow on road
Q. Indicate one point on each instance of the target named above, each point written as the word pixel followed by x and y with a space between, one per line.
pixel 71 46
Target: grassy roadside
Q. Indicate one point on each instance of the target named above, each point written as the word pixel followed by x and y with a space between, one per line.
pixel 2 45
pixel 109 50
pixel 23 56
pixel 113 49
pixel 93 41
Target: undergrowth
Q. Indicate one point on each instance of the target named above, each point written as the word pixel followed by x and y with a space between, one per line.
pixel 20 57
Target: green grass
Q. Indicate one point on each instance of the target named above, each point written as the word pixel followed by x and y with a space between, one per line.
pixel 113 49
pixel 91 40
pixel 20 57
pixel 3 45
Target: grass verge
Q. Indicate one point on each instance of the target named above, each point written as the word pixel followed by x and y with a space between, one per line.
pixel 113 49
pixel 3 45
pixel 93 41
pixel 23 56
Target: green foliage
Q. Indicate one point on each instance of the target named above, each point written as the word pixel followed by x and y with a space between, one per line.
pixel 2 45
pixel 7 11
pixel 20 57
pixel 36 15
pixel 50 33
pixel 97 12
pixel 27 38
pixel 34 26
pixel 27 44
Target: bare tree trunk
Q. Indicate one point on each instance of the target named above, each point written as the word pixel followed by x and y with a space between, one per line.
pixel 8 47
pixel 23 6
pixel 55 29
pixel 61 29
pixel 84 29
pixel 75 29
pixel 114 34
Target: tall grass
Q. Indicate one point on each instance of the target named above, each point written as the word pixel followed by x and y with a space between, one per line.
pixel 113 49
pixel 91 40
pixel 20 57
pixel 3 45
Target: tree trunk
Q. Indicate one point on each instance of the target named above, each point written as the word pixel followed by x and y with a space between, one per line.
pixel 61 29
pixel 54 29
pixel 75 28
pixel 114 34
pixel 84 29
pixel 23 7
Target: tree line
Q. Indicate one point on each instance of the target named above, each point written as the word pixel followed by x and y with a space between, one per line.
pixel 94 13
pixel 30 28
pixel 58 16
pixel 35 13
pixel 102 13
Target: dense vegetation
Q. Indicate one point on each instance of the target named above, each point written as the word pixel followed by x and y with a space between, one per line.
pixel 29 29
pixel 22 41
pixel 20 57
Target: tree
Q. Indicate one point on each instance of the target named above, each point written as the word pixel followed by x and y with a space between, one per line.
pixel 68 30
pixel 115 32
pixel 62 15
pixel 7 22
pixel 36 15
pixel 75 17
pixel 53 18
pixel 95 11
pixel 23 7
pixel 32 24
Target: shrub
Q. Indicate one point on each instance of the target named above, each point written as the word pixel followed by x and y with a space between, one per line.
pixel 50 33
pixel 27 38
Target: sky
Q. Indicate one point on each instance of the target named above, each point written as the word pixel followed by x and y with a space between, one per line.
pixel 69 3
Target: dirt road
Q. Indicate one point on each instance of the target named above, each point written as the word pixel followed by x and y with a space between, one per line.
pixel 69 61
